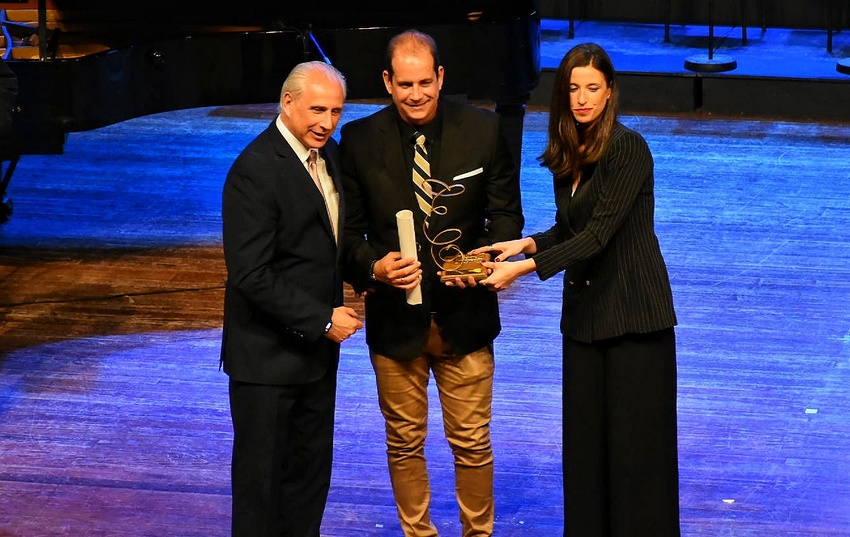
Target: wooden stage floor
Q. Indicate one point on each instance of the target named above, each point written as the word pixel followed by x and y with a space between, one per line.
pixel 113 413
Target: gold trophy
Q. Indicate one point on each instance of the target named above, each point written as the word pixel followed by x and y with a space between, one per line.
pixel 463 266
pixel 453 263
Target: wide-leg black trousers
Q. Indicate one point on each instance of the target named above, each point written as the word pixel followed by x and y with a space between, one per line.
pixel 621 475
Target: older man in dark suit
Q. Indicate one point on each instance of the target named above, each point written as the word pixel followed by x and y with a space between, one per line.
pixel 284 317
pixel 473 199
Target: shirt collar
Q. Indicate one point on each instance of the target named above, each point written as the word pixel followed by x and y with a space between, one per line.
pixel 301 151
pixel 431 129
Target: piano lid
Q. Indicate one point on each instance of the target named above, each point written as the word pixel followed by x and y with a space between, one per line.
pixel 165 55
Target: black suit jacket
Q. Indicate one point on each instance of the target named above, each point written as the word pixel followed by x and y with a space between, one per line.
pixel 377 184
pixel 616 280
pixel 283 270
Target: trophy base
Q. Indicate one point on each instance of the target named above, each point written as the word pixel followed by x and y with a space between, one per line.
pixel 464 266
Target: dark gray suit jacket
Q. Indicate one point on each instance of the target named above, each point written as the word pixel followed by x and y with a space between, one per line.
pixel 283 271
pixel 377 184
pixel 616 280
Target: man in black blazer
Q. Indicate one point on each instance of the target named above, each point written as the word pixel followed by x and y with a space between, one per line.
pixel 284 317
pixel 475 201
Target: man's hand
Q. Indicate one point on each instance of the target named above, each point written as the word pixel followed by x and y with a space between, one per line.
pixel 460 282
pixel 344 323
pixel 400 272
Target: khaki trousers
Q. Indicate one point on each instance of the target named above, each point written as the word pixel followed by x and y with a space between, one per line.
pixel 465 388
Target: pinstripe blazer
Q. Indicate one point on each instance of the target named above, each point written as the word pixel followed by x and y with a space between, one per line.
pixel 615 279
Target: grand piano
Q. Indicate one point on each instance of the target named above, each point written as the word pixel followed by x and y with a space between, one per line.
pixel 155 56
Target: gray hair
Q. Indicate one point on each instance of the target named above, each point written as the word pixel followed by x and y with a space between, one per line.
pixel 296 80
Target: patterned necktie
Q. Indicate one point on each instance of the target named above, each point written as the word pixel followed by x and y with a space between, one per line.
pixel 312 159
pixel 421 172
pixel 312 166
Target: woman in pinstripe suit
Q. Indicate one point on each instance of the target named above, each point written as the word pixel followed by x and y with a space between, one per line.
pixel 619 349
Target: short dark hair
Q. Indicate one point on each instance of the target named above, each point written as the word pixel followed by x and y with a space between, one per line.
pixel 411 39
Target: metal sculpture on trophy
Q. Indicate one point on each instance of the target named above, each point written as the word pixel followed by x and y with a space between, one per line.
pixel 451 260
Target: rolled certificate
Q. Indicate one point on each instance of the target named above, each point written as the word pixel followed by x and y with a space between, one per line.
pixel 407 243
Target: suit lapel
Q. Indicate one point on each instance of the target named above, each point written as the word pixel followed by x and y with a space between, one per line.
pixel 393 151
pixel 451 138
pixel 392 154
pixel 298 171
pixel 330 163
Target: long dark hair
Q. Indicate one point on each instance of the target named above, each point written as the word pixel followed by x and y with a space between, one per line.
pixel 571 146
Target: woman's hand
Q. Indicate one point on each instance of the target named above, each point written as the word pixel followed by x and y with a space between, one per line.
pixel 504 273
pixel 507 249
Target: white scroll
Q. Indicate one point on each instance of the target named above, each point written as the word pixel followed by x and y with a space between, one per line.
pixel 407 242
